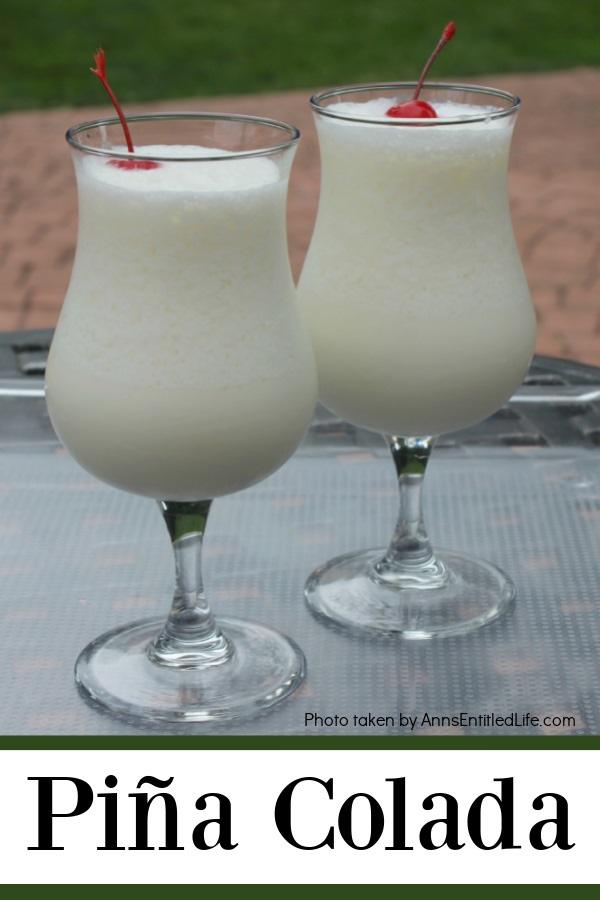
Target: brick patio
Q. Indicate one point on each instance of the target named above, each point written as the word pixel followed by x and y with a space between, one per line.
pixel 554 185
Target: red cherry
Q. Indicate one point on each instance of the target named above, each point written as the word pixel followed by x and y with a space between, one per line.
pixel 415 108
pixel 100 73
pixel 133 163
pixel 412 109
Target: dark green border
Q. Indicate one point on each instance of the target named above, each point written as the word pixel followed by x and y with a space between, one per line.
pixel 249 742
pixel 296 890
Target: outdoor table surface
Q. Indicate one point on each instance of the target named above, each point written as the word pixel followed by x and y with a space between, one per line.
pixel 78 558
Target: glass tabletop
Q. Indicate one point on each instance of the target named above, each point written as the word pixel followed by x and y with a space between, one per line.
pixel 521 489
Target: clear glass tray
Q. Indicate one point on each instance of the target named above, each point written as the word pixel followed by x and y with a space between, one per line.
pixel 522 490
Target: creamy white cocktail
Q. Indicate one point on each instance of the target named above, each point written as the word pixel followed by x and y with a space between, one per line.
pixel 413 287
pixel 421 321
pixel 181 370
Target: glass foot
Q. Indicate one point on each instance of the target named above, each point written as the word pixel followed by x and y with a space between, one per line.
pixel 116 672
pixel 348 592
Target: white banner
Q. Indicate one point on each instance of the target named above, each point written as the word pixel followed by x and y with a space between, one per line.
pixel 250 817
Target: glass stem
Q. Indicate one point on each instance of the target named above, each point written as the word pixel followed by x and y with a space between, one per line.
pixel 410 558
pixel 190 637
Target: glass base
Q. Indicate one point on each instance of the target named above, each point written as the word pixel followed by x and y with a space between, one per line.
pixel 115 672
pixel 348 592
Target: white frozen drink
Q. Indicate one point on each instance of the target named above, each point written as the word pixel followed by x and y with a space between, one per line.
pixel 413 287
pixel 180 368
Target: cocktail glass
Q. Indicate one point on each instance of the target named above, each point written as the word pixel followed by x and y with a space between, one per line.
pixel 422 323
pixel 180 370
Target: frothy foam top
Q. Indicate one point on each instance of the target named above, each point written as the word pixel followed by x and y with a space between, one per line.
pixel 216 175
pixel 377 108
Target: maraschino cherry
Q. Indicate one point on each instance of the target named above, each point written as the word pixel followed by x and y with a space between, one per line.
pixel 133 163
pixel 420 109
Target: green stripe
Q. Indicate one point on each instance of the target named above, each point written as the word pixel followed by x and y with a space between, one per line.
pixel 213 742
pixel 297 890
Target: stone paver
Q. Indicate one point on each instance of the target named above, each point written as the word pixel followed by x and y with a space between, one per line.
pixel 554 187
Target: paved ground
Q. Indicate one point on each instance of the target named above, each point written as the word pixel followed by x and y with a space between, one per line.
pixel 555 195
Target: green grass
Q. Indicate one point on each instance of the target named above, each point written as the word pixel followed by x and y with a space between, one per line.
pixel 182 48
